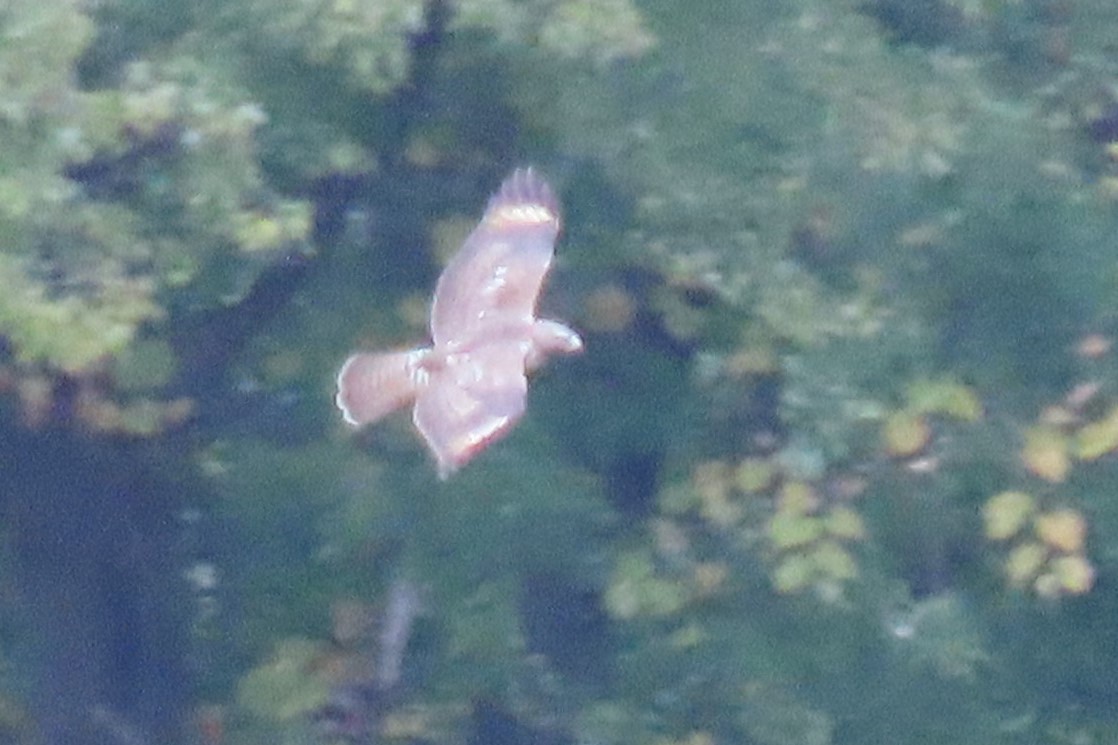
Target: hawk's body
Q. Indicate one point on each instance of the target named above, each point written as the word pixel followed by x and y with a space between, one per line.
pixel 470 386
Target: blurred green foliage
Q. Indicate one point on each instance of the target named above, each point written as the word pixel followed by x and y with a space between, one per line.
pixel 866 214
pixel 811 217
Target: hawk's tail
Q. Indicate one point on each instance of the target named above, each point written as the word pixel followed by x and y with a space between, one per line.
pixel 372 386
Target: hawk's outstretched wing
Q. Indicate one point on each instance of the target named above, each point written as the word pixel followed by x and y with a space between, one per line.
pixel 496 277
pixel 471 401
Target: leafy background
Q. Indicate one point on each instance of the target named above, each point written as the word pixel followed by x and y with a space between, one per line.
pixel 835 467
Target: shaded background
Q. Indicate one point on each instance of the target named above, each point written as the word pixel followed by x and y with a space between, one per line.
pixel 835 467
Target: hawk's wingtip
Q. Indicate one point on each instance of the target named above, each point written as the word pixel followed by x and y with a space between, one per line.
pixel 525 186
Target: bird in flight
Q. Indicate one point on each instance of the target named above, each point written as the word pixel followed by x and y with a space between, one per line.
pixel 469 386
